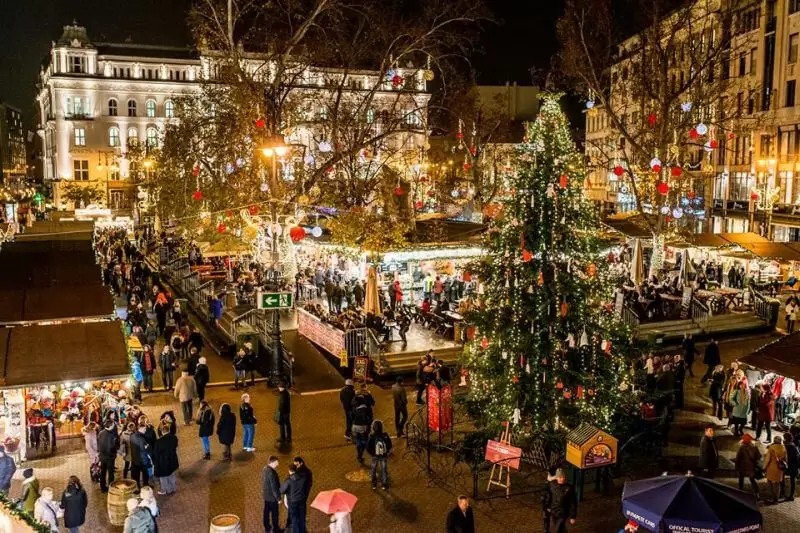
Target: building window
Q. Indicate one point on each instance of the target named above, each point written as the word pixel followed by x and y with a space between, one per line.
pixel 794 6
pixel 133 137
pixel 413 118
pixel 791 87
pixel 152 137
pixel 112 108
pixel 131 108
pixel 322 113
pixel 80 137
pixel 169 109
pixel 150 108
pixel 77 64
pixel 753 60
pixel 80 169
pixel 793 48
pixel 113 136
pixel 370 116
pixel 742 64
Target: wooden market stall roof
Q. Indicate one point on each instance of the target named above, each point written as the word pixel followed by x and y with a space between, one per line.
pixel 38 355
pixel 773 250
pixel 709 240
pixel 23 265
pixel 628 228
pixel 47 230
pixel 742 238
pixel 36 304
pixel 781 356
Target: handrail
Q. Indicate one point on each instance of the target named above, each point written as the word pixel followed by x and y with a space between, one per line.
pixel 629 316
pixel 700 311
pixel 375 352
pixel 767 309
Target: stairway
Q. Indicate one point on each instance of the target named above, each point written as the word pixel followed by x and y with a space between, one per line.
pixel 733 322
pixel 673 330
pixel 670 329
pixel 406 362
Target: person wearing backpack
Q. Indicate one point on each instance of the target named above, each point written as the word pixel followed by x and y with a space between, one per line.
pixel 362 420
pixel 379 446
pixel 139 519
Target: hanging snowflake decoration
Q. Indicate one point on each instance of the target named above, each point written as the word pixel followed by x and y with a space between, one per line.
pixel 325 146
pixel 686 107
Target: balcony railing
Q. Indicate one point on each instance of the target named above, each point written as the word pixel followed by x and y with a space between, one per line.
pixel 78 116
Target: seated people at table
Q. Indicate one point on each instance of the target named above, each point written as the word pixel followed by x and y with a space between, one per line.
pixel 701 283
pixel 443 306
pixel 426 305
pixel 403 325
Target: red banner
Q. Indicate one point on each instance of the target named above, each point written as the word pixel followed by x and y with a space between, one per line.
pixel 433 407
pixel 446 414
pixel 503 454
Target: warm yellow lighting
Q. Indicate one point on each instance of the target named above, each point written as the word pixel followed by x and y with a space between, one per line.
pixel 280 151
pixel 148 163
pixel 100 167
pixel 267 152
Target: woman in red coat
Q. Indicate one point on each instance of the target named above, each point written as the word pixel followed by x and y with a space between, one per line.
pixel 766 412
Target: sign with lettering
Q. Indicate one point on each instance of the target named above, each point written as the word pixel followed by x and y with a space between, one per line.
pixel 503 454
pixel 323 335
pixel 275 300
pixel 361 369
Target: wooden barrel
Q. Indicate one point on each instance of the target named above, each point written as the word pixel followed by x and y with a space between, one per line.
pixel 119 492
pixel 225 523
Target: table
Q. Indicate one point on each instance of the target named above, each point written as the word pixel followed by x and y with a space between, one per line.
pixel 732 297
pixel 453 315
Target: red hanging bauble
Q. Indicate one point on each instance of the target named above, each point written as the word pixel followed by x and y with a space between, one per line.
pixel 663 188
pixel 540 278
pixel 467 166
pixel 567 394
pixel 472 149
pixel 297 233
pixel 526 256
pixel 676 171
pixel 484 343
pixel 228 213
pixel 579 391
pixel 459 135
pixel 619 171
pixel 656 168
pixel 713 143
pixel 563 181
pixel 195 170
pixel 651 118
pixel 515 379
pixel 731 135
pixel 197 195
pixel 398 191
pixel 693 134
pixel 261 123
pixel 564 309
pixel 418 204
pixel 397 80
pixel 221 228
pixel 559 385
pixel 754 196
pixel 253 209
pixel 691 195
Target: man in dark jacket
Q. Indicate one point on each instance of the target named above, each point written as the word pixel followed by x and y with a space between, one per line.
pixel 460 519
pixel 201 377
pixel 711 359
pixel 107 446
pixel 400 398
pixel 709 455
pixel 560 501
pixel 689 351
pixel 195 339
pixel 271 490
pixel 140 458
pixel 167 362
pixel 305 474
pixel 193 361
pixel 379 446
pixel 294 490
pixel 7 469
pixel 346 396
pixel 362 420
pixel 284 414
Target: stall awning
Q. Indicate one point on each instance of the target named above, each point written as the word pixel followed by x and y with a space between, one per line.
pixel 780 356
pixel 773 250
pixel 628 228
pixel 38 355
pixel 742 238
pixel 55 303
pixel 709 240
pixel 21 269
pixel 45 230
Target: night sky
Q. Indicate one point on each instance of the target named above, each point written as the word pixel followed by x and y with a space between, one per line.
pixel 523 38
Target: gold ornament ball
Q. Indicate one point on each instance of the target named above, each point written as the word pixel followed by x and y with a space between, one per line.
pixel 303 199
pixel 429 75
pixel 249 232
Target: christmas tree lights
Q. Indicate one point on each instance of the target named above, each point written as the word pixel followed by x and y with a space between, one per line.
pixel 549 352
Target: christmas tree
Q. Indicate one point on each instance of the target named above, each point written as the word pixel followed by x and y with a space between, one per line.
pixel 548 352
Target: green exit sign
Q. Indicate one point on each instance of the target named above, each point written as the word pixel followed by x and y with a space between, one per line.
pixel 275 300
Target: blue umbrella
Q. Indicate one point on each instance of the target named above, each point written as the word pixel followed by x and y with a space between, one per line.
pixel 689 503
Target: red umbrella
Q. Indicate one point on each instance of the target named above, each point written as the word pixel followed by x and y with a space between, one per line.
pixel 334 501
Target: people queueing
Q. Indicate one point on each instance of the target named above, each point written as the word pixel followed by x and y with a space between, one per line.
pixel 125 448
pixel 165 458
pixel 107 448
pixel 140 456
pixel 226 430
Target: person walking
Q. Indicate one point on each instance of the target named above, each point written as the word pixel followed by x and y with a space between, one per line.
pixel 346 395
pixel 192 361
pixel 7 469
pixel 400 399
pixel 239 364
pixel 201 378
pixel 715 391
pixel 186 392
pixel 766 412
pixel 140 456
pixel 165 459
pixel 205 427
pixel 561 503
pixel 226 430
pixel 740 402
pixel 248 420
pixel 148 501
pixel 792 464
pixel 148 366
pixel 271 493
pixel 46 511
pixel 774 464
pixel 90 442
pixel 125 448
pixel 689 352
pixel 74 502
pixel 30 490
pixel 791 315
pixel 362 420
pixel 167 362
pixel 709 455
pixel 460 518
pixel 711 359
pixel 746 463
pixel 107 447
pixel 379 446
pixel 283 415
pixel 292 488
pixel 139 519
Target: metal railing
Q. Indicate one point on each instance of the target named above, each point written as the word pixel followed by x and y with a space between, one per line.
pixel 765 308
pixel 629 316
pixel 700 312
pixel 374 351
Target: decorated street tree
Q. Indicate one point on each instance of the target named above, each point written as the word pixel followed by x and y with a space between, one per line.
pixel 548 352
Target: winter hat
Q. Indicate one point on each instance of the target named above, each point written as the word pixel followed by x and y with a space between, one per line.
pixel 202 360
pixel 348 382
pixel 747 438
pixel 28 472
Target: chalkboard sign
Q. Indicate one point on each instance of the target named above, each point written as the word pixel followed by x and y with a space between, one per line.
pixel 163 255
pixel 686 302
pixel 361 369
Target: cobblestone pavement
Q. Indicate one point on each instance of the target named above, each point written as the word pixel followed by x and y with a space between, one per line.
pixel 208 488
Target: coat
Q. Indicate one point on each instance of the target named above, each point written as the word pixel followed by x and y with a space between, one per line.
pixel 712 357
pixel 30 493
pixel 201 376
pixel 460 522
pixel 560 500
pixel 766 407
pixel 90 437
pixel 341 523
pixel 165 455
pixel 709 455
pixel 715 390
pixel 346 396
pixel 226 428
pixel 205 423
pixel 270 485
pixel 740 400
pixel 74 502
pixel 747 460
pixel 246 416
pixel 125 445
pixel 292 488
pixel 185 388
pixel 284 406
pixel 792 458
pixel 775 454
pixel 46 513
pixel 399 396
pixel 140 450
pixel 107 445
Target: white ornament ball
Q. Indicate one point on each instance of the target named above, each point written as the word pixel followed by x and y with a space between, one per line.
pixel 701 128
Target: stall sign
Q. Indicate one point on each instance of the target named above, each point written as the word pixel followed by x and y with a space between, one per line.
pixel 503 454
pixel 326 337
pixel 361 369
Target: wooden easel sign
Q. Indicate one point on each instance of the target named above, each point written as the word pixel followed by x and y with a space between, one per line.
pixel 504 457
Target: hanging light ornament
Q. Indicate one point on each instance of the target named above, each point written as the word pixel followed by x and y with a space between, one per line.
pixel 701 128
pixel 197 195
pixel 619 171
pixel 655 164
pixel 663 188
pixel 677 212
pixel 664 210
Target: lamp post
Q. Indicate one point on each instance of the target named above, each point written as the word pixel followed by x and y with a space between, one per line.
pixel 272 151
pixel 107 154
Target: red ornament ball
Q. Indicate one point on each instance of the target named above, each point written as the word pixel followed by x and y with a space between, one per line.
pixel 253 209
pixel 676 171
pixel 567 394
pixel 754 196
pixel 713 143
pixel 559 385
pixel 221 228
pixel 197 195
pixel 691 195
pixel 619 171
pixel 297 233
pixel 484 343
pixel 397 80
pixel 693 134
pixel 467 166
pixel 398 191
pixel 563 181
pixel 261 123
pixel 651 118
pixel 526 256
pixel 228 213
pixel 731 135
pixel 656 168
pixel 418 204
pixel 459 135
pixel 663 188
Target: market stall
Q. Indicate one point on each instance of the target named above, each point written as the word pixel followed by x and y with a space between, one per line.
pixel 56 378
